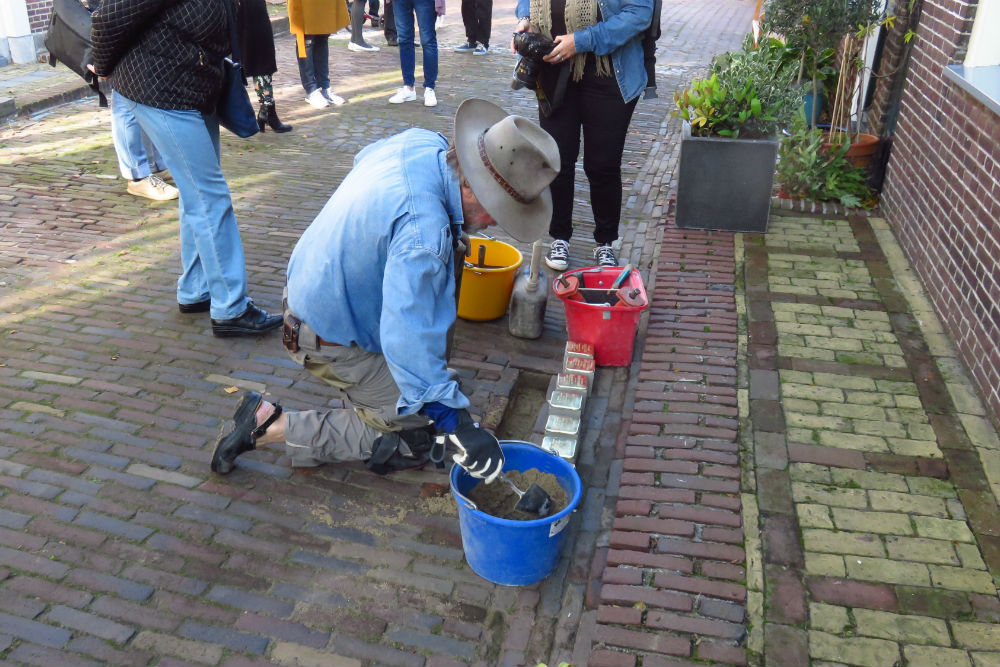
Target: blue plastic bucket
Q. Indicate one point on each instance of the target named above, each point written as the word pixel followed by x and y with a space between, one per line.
pixel 515 553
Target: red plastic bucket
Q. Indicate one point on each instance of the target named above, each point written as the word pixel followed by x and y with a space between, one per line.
pixel 610 329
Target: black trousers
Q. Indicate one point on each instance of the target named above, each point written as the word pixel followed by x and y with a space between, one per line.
pixel 477 15
pixel 388 22
pixel 595 105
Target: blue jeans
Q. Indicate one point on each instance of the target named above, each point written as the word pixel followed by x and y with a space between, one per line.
pixel 137 156
pixel 403 11
pixel 211 250
pixel 314 69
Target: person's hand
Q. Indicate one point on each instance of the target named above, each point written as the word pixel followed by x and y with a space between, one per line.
pixel 564 49
pixel 523 25
pixel 479 451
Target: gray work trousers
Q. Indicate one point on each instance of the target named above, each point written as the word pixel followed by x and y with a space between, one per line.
pixel 313 437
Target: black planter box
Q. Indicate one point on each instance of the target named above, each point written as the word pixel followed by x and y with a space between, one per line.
pixel 725 183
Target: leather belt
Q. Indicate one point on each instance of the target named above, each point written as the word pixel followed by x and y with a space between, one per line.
pixel 290 329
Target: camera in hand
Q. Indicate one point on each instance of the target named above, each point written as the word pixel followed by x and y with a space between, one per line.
pixel 532 47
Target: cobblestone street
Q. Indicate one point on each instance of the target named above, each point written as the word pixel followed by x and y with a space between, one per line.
pixel 794 469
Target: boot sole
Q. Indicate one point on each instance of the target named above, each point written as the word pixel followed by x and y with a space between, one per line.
pixel 243 412
pixel 232 332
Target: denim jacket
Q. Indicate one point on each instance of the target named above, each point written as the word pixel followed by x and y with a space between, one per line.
pixel 620 34
pixel 374 269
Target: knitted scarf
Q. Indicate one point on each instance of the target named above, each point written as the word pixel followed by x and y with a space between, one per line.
pixel 579 15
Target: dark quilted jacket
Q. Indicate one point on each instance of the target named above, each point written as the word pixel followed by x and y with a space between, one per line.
pixel 162 53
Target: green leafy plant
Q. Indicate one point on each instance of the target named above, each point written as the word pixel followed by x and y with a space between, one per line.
pixel 809 168
pixel 748 94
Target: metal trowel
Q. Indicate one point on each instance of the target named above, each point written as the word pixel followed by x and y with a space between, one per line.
pixel 533 501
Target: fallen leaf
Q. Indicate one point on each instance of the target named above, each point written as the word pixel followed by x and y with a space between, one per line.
pixel 231 390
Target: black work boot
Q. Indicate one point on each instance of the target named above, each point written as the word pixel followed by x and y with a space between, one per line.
pixel 253 322
pixel 243 437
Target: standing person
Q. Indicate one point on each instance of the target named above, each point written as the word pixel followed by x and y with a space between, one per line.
pixel 165 64
pixel 602 48
pixel 257 50
pixel 370 294
pixel 312 22
pixel 426 15
pixel 389 24
pixel 358 42
pixel 138 159
pixel 477 15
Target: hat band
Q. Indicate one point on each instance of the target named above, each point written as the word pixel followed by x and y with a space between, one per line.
pixel 518 197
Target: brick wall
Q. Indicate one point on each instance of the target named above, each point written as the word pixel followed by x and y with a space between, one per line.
pixel 38 14
pixel 942 195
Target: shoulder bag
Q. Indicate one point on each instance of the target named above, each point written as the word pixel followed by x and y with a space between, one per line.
pixel 234 111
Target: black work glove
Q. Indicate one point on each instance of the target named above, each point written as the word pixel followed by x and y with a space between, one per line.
pixel 478 452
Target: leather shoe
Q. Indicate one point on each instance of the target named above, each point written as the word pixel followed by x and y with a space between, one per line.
pixel 252 322
pixel 196 307
pixel 243 437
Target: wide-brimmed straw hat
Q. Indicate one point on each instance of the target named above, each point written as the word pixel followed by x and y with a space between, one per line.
pixel 509 162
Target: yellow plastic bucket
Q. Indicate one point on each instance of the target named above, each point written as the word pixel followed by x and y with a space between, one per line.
pixel 486 290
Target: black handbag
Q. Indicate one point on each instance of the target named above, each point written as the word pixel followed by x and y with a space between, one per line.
pixel 68 40
pixel 234 111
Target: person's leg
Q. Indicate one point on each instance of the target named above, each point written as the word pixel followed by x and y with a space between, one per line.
pixel 307 73
pixel 389 24
pixel 484 21
pixel 126 135
pixel 312 437
pixel 211 248
pixel 321 60
pixel 564 126
pixel 426 19
pixel 469 20
pixel 605 119
pixel 403 15
pixel 357 21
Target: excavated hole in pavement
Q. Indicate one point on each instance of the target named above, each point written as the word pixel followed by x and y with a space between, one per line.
pixel 526 399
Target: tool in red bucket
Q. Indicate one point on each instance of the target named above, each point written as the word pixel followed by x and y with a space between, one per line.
pixel 567 287
pixel 630 296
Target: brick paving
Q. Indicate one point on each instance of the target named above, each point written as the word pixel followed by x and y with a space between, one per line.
pixel 794 469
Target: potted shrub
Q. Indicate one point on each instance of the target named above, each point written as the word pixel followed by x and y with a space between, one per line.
pixel 810 168
pixel 827 26
pixel 728 145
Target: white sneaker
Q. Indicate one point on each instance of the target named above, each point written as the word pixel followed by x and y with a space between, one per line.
pixel 332 97
pixel 404 94
pixel 361 47
pixel 557 258
pixel 316 99
pixel 605 255
pixel 481 50
pixel 430 97
pixel 152 187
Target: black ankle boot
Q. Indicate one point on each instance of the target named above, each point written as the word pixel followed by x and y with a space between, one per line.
pixel 274 121
pixel 262 117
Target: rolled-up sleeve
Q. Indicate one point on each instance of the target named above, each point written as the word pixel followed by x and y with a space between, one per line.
pixel 418 307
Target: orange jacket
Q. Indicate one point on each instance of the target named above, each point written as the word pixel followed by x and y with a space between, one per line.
pixel 315 17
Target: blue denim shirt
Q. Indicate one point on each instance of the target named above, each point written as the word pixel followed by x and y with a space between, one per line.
pixel 620 34
pixel 375 266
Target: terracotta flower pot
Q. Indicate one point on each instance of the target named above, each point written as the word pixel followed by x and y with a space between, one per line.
pixel 860 152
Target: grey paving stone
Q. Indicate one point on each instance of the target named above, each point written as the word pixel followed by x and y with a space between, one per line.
pixel 235 597
pixel 237 641
pixel 89 623
pixel 113 526
pixel 39 633
pixel 13 519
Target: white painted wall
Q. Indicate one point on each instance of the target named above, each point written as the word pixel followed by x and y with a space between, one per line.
pixel 16 41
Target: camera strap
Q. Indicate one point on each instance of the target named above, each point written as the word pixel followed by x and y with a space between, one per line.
pixel 551 87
